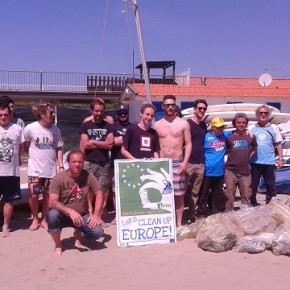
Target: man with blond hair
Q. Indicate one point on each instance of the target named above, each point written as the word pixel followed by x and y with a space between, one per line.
pixel 70 201
pixel 43 142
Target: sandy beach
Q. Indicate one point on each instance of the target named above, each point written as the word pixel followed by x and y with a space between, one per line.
pixel 27 261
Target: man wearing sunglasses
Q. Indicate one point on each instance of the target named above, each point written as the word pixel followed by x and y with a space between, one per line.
pixel 195 167
pixel 264 162
pixel 43 143
pixel 175 143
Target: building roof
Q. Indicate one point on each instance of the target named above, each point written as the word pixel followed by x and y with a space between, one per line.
pixel 157 64
pixel 214 86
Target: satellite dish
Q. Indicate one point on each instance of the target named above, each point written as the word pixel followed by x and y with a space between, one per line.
pixel 265 79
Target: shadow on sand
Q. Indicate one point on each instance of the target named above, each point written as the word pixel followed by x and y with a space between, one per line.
pixel 90 245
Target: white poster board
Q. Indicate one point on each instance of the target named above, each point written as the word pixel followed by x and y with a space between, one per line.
pixel 145 208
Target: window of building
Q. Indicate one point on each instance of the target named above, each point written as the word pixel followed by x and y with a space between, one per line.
pixel 185 105
pixel 159 111
pixel 275 105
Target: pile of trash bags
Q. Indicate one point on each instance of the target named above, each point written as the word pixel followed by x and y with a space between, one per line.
pixel 248 230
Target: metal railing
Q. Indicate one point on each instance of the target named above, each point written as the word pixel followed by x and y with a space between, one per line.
pixel 73 81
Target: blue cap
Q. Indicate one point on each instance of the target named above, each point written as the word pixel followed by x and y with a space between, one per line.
pixel 122 110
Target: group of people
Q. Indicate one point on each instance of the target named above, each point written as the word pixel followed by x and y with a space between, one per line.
pixel 76 197
pixel 209 165
pixel 223 161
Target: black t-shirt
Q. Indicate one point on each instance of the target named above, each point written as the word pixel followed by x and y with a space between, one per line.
pixel 98 132
pixel 119 130
pixel 141 143
pixel 198 132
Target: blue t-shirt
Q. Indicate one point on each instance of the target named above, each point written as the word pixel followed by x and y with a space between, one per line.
pixel 215 150
pixel 266 139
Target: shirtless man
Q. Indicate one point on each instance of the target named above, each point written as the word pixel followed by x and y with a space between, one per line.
pixel 175 143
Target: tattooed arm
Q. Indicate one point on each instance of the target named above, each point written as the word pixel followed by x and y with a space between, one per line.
pixel 56 204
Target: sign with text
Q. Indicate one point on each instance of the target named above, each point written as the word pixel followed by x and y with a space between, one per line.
pixel 144 202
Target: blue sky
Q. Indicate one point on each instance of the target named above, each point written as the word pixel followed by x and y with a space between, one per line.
pixel 230 38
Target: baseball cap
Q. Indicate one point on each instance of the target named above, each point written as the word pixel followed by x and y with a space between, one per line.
pixel 217 122
pixel 122 110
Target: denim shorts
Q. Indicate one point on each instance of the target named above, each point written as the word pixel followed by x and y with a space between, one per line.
pixel 57 220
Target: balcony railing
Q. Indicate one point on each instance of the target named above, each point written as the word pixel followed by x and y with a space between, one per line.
pixel 74 81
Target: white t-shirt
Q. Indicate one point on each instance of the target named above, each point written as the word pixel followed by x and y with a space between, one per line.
pixel 10 139
pixel 19 122
pixel 42 150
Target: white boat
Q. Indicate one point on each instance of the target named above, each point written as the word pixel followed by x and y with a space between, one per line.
pixel 228 112
pixel 238 107
pixel 275 117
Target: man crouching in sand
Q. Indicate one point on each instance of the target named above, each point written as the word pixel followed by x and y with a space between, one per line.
pixel 70 202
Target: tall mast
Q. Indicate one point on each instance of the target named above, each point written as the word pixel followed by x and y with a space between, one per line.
pixel 142 52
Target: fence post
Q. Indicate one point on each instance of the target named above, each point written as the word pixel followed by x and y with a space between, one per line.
pixel 41 80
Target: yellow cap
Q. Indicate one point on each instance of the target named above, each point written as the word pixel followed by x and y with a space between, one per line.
pixel 217 122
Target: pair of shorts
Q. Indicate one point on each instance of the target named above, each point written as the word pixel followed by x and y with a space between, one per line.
pixel 101 170
pixel 178 180
pixel 10 188
pixel 38 185
pixel 112 179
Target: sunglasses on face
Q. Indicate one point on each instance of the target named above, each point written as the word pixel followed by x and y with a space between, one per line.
pixel 202 109
pixel 264 113
pixel 169 105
